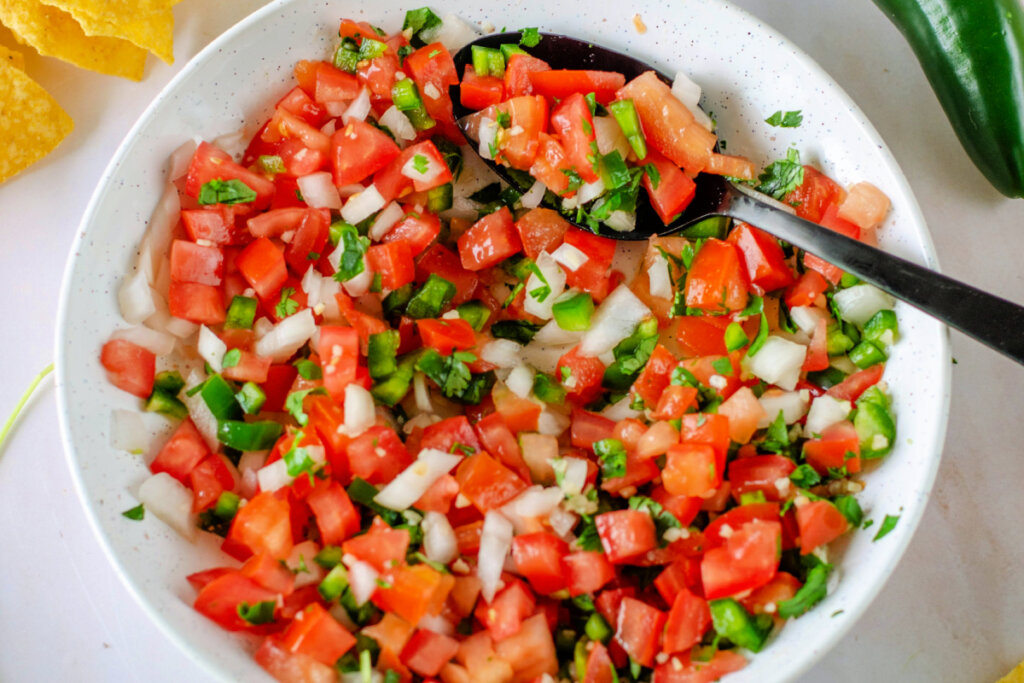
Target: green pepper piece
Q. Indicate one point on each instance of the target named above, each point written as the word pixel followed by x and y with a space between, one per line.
pixel 248 436
pixel 626 116
pixel 241 313
pixel 395 386
pixel 169 381
pixel 381 352
pixel 475 313
pixel 731 621
pixel 573 311
pixel 875 426
pixel 547 389
pixel 488 61
pixel 395 302
pixel 866 354
pixel 220 399
pixel 597 628
pixel 431 298
pixel 165 403
pixel 882 329
pixel 972 51
pixel 509 49
pixel 440 198
pixel 251 397
pixel 332 585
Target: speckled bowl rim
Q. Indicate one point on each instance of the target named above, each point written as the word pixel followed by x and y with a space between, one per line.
pixel 910 518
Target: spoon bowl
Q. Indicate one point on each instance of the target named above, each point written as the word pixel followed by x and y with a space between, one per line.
pixel 991 320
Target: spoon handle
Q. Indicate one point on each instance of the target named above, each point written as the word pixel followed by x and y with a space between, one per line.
pixel 991 320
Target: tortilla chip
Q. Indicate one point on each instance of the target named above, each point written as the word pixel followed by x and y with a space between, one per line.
pixel 148 24
pixel 31 122
pixel 56 34
pixel 1015 676
pixel 12 57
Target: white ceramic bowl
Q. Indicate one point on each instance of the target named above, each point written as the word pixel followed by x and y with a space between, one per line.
pixel 747 71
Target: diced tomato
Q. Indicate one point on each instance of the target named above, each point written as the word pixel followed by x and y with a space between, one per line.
pixel 208 480
pixel 336 516
pixel 783 587
pixel 638 630
pixel 517 74
pixel 486 482
pixel 446 335
pixel 413 592
pixel 211 163
pixel 687 621
pixel 492 239
pixel 814 194
pixel 856 384
pixel 262 264
pixel 675 400
pixel 586 572
pixel 723 662
pixel 200 304
pixel 807 289
pixel 820 522
pixel 519 414
pixel 498 439
pixel 279 381
pixel 762 257
pixel 691 470
pixel 716 533
pixel 541 230
pixel 586 428
pixel 682 574
pixel 214 224
pixel 419 229
pixel 192 262
pixel 183 451
pixel 314 632
pixel 601 250
pixel 599 665
pixel 839 446
pixel 625 534
pixel 656 375
pixel 668 125
pixel 219 600
pixel 358 150
pixel 562 83
pixel 504 615
pixel 551 166
pixel 427 652
pixel 717 280
pixel 339 358
pixel 250 368
pixel 585 375
pixel 732 166
pixel 309 242
pixel 433 70
pixel 531 651
pixel 301 104
pixel 378 455
pixel 129 366
pixel 480 92
pixel 444 263
pixel 712 430
pixel 269 573
pixel 674 190
pixel 285 126
pixel 262 525
pixel 381 546
pixel 393 261
pixel 683 508
pixel 334 85
pixel 865 206
pixel 759 473
pixel 538 557
pixel 529 118
pixel 448 434
pixel 440 496
pixel 748 559
pixel 572 122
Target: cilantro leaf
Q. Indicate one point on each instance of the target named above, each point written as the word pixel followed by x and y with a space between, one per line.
pixel 293 404
pixel 231 358
pixel 810 594
pixel 420 164
pixel 519 331
pixel 226 192
pixel 287 305
pixel 308 369
pixel 612 454
pixel 804 476
pixel 781 177
pixel 353 246
pixel 298 460
pixel 136 513
pixel 588 538
pixel 850 508
pixel 663 519
pixel 530 37
pixel 787 119
pixel 888 524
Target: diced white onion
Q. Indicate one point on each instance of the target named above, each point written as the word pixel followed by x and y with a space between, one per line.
pixel 453 33
pixel 363 579
pixel 562 522
pixel 475 174
pixel 336 110
pixel 569 256
pixel 287 336
pixel 792 405
pixel 504 353
pixel 398 123
pixel 421 393
pixel 135 298
pixel 620 410
pixel 203 419
pixel 439 543
pixel 329 289
pixel 262 327
pixel 614 320
pixel 520 381
pixel 621 221
pixel 359 108
pixel 156 244
pixel 825 411
pixel 532 503
pixel 360 284
pixel 660 279
pixel 543 356
pixel 495 543
pixel 590 191
pixel 170 501
pixel 422 168
pixel 158 343
pixel 778 362
pixel 211 348
pixel 329 128
pixel 437 623
pixel 274 476
pixel 128 432
pixel 178 162
pixel 574 476
pixel 412 482
pixel 858 303
pixel 555 280
pixel 362 205
pixel 386 220
pixel 551 333
pixel 806 317
pixel 233 143
pixel 251 460
pixel 610 136
pixel 688 92
pixel 300 561
pixel 551 423
pixel 347 191
pixel 319 191
pixel 534 196
pixel 488 136
pixel 360 413
pixel 311 283
pixel 182 329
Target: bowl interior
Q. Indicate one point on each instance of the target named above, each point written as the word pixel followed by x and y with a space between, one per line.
pixel 747 71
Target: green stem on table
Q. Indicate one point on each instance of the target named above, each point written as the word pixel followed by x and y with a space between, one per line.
pixel 22 401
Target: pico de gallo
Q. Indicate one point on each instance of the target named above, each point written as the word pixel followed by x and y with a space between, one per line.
pixel 444 434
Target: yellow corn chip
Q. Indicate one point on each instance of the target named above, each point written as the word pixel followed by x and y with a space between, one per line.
pixel 56 34
pixel 1015 676
pixel 31 122
pixel 146 23
pixel 12 57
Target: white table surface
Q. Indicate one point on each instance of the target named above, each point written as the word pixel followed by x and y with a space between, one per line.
pixel 952 611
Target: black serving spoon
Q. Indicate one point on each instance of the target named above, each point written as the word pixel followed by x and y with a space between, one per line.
pixel 991 320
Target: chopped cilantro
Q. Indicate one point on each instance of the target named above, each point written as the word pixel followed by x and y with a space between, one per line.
pixel 353 247
pixel 804 476
pixel 136 513
pixel 850 508
pixel 231 358
pixel 723 366
pixel 788 119
pixel 287 305
pixel 888 524
pixel 530 37
pixel 226 192
pixel 781 177
pixel 420 164
pixel 811 593
pixel 308 369
pixel 257 614
pixel 613 457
